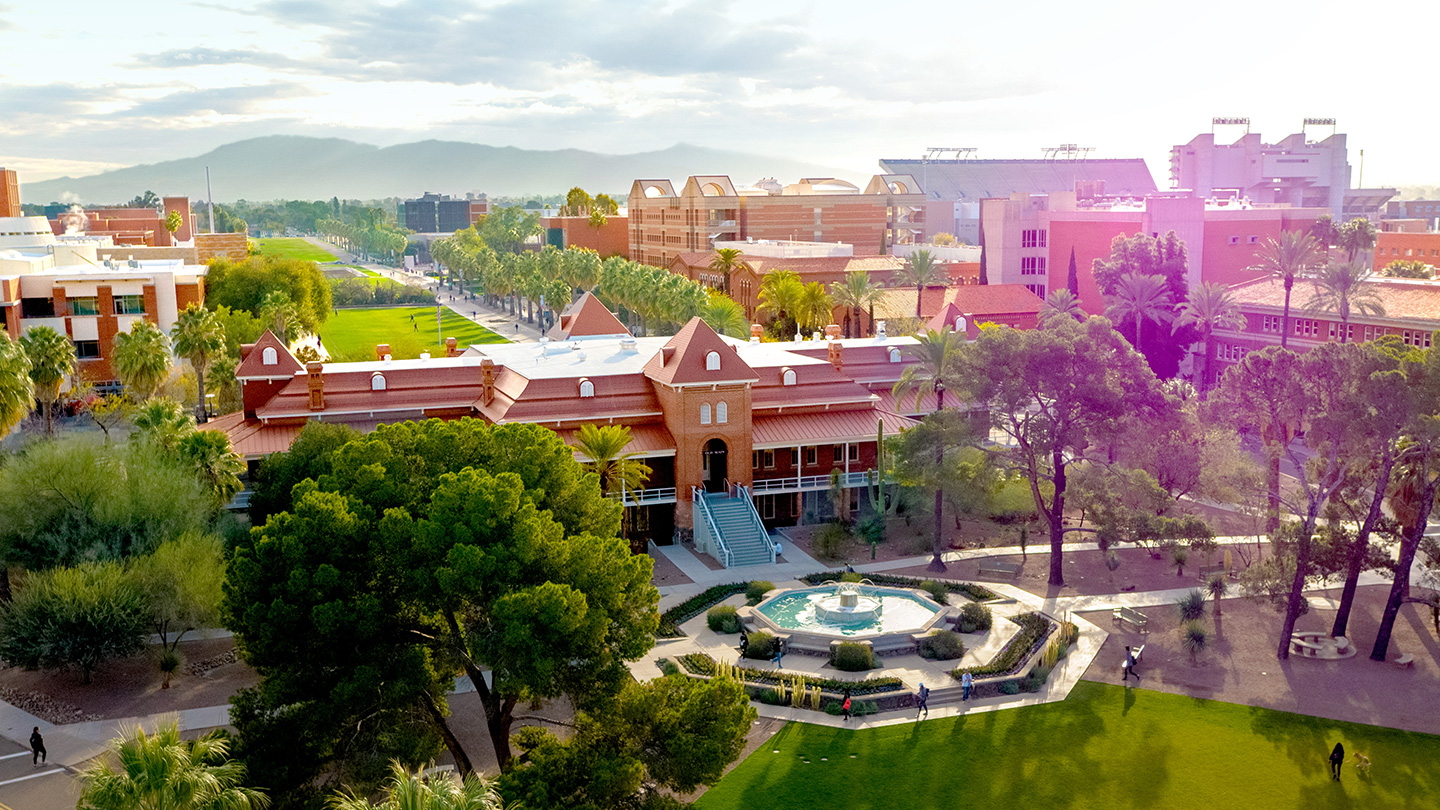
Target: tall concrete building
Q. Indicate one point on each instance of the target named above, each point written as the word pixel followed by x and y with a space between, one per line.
pixel 9 193
pixel 437 213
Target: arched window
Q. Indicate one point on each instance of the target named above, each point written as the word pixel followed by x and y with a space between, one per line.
pixel 377 382
pixel 894 355
pixel 787 377
pixel 712 361
pixel 722 413
pixel 587 388
pixel 269 357
pixel 705 413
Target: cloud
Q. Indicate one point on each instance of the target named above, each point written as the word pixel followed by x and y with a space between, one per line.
pixel 223 101
pixel 203 57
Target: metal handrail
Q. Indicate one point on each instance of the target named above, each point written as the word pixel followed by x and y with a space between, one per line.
pixel 641 497
pixel 745 493
pixel 811 482
pixel 698 495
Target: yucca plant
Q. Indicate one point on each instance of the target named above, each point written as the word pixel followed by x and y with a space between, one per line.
pixel 1191 606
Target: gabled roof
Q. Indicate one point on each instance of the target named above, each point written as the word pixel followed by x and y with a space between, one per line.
pixel 946 318
pixel 663 188
pixel 682 360
pixel 252 360
pixel 978 300
pixel 586 316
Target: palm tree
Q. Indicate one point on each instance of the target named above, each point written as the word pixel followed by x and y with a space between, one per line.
pixel 937 355
pixel 160 771
pixel 815 307
pixel 1340 288
pixel 726 262
pixel 780 294
pixel 215 463
pixel 1061 304
pixel 1141 297
pixel 198 336
pixel 52 359
pixel 141 358
pixel 438 791
pixel 855 293
pixel 16 389
pixel 921 271
pixel 163 422
pixel 605 445
pixel 1287 258
pixel 1356 235
pixel 1210 307
pixel 725 316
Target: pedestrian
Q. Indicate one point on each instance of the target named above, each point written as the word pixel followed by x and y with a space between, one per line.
pixel 845 707
pixel 779 651
pixel 849 569
pixel 1337 756
pixel 37 747
pixel 517 328
pixel 922 702
pixel 1130 665
pixel 967 683
pixel 744 641
pixel 412 318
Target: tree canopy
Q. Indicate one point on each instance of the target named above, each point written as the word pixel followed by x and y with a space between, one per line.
pixel 244 285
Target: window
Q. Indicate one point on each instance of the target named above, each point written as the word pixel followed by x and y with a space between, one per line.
pixel 377 382
pixel 854 451
pixel 1270 323
pixel 722 413
pixel 129 305
pixel 755 460
pixel 811 456
pixel 84 306
pixel 1252 239
pixel 767 458
pixel 1350 332
pixel 1234 240
pixel 767 502
pixel 37 308
pixel 1038 289
pixel 705 413
pixel 787 377
pixel 269 357
pixel 587 388
pixel 839 454
pixel 894 355
pixel 1032 265
pixel 712 361
pixel 87 349
pixel 1032 238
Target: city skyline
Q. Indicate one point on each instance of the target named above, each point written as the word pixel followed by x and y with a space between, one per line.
pixel 91 86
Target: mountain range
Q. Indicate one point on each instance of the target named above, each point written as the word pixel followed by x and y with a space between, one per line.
pixel 294 167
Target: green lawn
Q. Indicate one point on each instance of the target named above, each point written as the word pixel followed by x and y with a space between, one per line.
pixel 293 248
pixel 352 334
pixel 1105 747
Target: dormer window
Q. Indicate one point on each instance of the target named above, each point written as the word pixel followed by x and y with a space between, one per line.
pixel 705 413
pixel 787 376
pixel 269 357
pixel 712 361
pixel 894 355
pixel 587 388
pixel 377 382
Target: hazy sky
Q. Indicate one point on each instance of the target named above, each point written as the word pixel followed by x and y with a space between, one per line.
pixel 86 85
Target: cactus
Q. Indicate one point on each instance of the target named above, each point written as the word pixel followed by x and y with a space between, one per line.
pixel 876 488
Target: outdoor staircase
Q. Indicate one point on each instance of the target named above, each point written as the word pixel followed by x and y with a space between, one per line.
pixel 734 520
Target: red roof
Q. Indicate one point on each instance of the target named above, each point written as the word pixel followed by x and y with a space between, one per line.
pixel 684 358
pixel 252 438
pixel 418 389
pixel 653 440
pixel 791 430
pixel 586 316
pixel 974 300
pixel 557 399
pixel 252 357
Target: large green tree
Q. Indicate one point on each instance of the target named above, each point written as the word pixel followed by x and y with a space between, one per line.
pixel 244 286
pixel 1210 307
pixel 52 361
pixel 727 262
pixel 1293 255
pixel 16 389
pixel 74 618
pixel 142 359
pixel 920 271
pixel 1142 299
pixel 1342 288
pixel 937 357
pixel 1144 255
pixel 199 336
pixel 308 457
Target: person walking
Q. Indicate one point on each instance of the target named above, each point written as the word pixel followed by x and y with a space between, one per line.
pixel 37 747
pixel 1130 665
pixel 967 683
pixel 1337 756
pixel 845 707
pixel 922 702
pixel 779 651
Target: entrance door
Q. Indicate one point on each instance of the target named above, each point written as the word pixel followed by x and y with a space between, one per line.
pixel 713 465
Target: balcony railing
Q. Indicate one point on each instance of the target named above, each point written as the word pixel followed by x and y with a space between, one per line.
pixel 808 483
pixel 644 497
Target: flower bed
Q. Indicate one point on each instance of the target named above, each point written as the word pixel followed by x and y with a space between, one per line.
pixel 670 620
pixel 966 589
pixel 1034 629
pixel 702 664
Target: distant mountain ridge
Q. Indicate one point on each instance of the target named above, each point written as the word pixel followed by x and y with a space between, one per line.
pixel 296 167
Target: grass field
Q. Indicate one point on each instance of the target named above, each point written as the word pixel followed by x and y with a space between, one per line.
pixel 1105 747
pixel 352 334
pixel 293 248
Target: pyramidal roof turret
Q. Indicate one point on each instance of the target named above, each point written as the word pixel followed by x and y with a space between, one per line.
pixel 267 359
pixel 586 316
pixel 698 356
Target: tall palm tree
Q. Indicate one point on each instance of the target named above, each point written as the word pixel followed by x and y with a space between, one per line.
pixel 725 316
pixel 163 422
pixel 1141 298
pixel 215 462
pixel 920 271
pixel 281 315
pixel 1291 256
pixel 604 446
pixel 855 293
pixel 199 337
pixel 815 307
pixel 780 294
pixel 1357 235
pixel 1340 288
pixel 160 771
pixel 52 360
pixel 416 791
pixel 1210 307
pixel 16 389
pixel 141 358
pixel 937 356
pixel 727 262
pixel 1061 304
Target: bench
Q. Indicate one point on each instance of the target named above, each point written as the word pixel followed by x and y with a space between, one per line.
pixel 1129 616
pixel 1406 661
pixel 1003 569
pixel 1208 571
pixel 1304 648
pixel 1137 651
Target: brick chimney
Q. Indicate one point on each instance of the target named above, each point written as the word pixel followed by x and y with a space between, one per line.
pixel 835 355
pixel 487 381
pixel 452 347
pixel 756 331
pixel 832 332
pixel 317 385
pixel 381 349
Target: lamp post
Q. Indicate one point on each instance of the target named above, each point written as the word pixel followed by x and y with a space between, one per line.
pixel 936 563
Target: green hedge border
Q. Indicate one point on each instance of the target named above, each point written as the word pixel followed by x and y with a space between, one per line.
pixel 976 593
pixel 699 603
pixel 703 664
pixel 1035 628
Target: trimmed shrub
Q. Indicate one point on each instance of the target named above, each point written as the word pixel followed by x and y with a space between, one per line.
pixel 723 619
pixel 1009 687
pixel 860 708
pixel 1036 678
pixel 702 664
pixel 944 645
pixel 1034 629
pixel 975 618
pixel 851 657
pixel 668 667
pixel 757 589
pixel 850 577
pixel 762 646
pixel 671 619
pixel 937 591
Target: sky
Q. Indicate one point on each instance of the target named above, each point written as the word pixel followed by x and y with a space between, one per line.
pixel 86 86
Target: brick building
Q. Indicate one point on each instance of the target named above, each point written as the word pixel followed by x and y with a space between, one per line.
pixel 611 239
pixel 1393 246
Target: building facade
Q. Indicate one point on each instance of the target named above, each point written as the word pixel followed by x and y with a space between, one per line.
pixel 1392 246
pixel 439 213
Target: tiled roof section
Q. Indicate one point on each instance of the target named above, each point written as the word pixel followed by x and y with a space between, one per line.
pixel 976 300
pixel 867 361
pixel 252 438
pixel 790 430
pixel 416 388
pixel 816 383
pixel 651 440
pixel 683 359
pixel 586 316
pixel 1403 299
pixel 557 400
pixel 252 356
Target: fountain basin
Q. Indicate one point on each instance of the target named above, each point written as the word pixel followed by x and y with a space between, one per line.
pixel 815 618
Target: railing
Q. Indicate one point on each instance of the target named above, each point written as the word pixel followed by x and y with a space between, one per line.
pixel 712 529
pixel 644 497
pixel 808 483
pixel 744 492
pixel 240 502
pixel 720 223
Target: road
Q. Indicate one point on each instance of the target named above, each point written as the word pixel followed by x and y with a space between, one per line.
pixel 24 786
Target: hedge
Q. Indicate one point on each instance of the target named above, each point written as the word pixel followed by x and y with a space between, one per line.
pixel 670 620
pixel 702 664
pixel 1034 629
pixel 976 592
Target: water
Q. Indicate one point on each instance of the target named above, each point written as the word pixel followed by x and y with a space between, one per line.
pixel 795 610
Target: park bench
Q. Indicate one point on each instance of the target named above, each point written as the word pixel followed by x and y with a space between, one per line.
pixel 1129 616
pixel 1208 571
pixel 1136 651
pixel 1304 648
pixel 1003 569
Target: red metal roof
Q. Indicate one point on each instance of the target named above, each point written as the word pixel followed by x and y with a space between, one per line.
pixel 791 430
pixel 586 316
pixel 251 355
pixel 652 440
pixel 252 438
pixel 682 361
